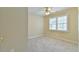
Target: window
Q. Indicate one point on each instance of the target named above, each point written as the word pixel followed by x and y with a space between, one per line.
pixel 59 23
pixel 52 24
pixel 62 23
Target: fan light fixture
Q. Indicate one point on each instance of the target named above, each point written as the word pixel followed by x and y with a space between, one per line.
pixel 48 10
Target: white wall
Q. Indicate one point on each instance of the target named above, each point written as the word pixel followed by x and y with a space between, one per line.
pixel 78 24
pixel 78 28
pixel 78 20
pixel 13 26
pixel 35 25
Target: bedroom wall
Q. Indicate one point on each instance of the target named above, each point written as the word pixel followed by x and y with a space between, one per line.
pixel 13 29
pixel 78 22
pixel 35 25
pixel 78 28
pixel 71 35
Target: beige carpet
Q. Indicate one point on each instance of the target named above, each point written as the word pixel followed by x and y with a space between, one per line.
pixel 45 44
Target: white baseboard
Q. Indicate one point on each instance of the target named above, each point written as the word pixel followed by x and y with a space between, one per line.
pixel 35 36
pixel 63 39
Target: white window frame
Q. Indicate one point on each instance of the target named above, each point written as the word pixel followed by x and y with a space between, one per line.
pixel 57 24
pixel 49 23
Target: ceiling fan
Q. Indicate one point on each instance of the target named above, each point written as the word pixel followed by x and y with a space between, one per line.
pixel 48 10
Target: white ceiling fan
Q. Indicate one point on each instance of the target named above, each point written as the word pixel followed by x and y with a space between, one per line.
pixel 48 10
pixel 43 11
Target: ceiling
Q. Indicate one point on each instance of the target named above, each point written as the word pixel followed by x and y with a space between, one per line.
pixel 39 10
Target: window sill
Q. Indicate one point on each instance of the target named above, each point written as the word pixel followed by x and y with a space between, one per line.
pixel 58 31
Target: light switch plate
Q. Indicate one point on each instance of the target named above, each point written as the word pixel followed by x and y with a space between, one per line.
pixel 1 38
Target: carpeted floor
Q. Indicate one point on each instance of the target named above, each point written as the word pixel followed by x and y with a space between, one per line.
pixel 45 44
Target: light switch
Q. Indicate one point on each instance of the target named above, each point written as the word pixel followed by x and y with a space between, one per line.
pixel 1 38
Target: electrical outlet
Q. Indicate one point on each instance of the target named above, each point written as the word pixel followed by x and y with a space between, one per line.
pixel 12 50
